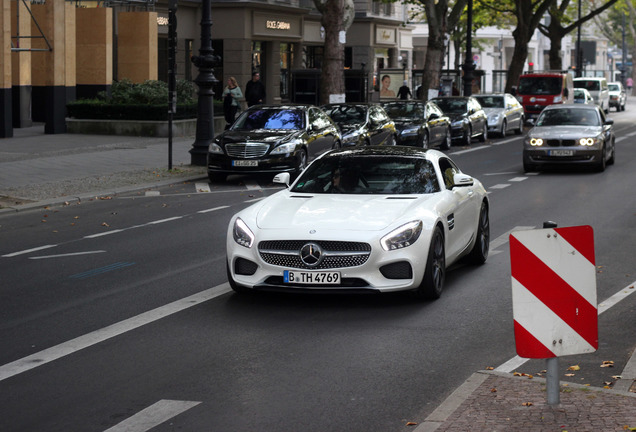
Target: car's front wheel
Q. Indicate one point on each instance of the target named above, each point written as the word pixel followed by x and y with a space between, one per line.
pixel 484 134
pixel 435 272
pixel 504 128
pixel 301 164
pixel 467 136
pixel 519 130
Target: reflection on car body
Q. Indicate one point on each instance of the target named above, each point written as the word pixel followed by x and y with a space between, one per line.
pixel 404 215
pixel 421 124
pixel 570 134
pixel 272 138
pixel 467 117
pixel 583 96
pixel 504 112
pixel 362 123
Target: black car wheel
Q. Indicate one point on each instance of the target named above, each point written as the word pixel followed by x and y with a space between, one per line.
pixel 519 130
pixel 600 167
pixel 612 158
pixel 424 140
pixel 446 144
pixel 479 253
pixel 484 135
pixel 467 136
pixel 236 287
pixel 435 273
pixel 504 128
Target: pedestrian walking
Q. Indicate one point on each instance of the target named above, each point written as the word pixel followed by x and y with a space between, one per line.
pixel 630 84
pixel 232 94
pixel 255 90
pixel 404 92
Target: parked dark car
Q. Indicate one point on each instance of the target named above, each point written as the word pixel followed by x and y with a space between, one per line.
pixel 468 119
pixel 362 123
pixel 272 139
pixel 420 124
pixel 504 113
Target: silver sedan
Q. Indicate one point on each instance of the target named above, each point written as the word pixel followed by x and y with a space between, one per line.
pixel 504 113
pixel 570 133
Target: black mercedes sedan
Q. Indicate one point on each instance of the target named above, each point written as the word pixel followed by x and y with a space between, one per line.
pixel 468 118
pixel 362 123
pixel 420 124
pixel 272 139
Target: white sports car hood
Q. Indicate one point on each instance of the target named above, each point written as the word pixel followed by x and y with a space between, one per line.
pixel 334 212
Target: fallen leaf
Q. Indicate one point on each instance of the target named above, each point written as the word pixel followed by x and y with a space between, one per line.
pixel 570 375
pixel 105 224
pixel 67 203
pixel 607 363
pixel 46 207
pixel 527 404
pixel 490 368
pixel 43 220
pixel 574 368
pixel 76 217
pixel 493 390
pixel 617 377
pixel 411 424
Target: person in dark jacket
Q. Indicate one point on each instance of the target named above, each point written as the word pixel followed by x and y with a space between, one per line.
pixel 404 92
pixel 255 90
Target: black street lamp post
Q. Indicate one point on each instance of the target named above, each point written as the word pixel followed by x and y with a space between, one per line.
pixel 579 54
pixel 469 65
pixel 205 81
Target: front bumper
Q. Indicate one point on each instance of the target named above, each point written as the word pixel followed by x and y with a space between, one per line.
pixel 549 156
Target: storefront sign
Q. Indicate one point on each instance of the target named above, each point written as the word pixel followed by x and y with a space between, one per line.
pixel 276 25
pixel 385 35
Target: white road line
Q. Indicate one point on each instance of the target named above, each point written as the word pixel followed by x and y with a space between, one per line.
pixel 518 179
pixel 503 239
pixel 496 143
pixel 468 150
pixel 153 416
pixel 499 186
pixel 66 348
pixel 517 361
pixel 26 251
pixel 500 173
pixel 67 254
pixel 105 233
pixel 254 200
pixel 212 209
pixel 164 220
pixel 153 193
pixel 202 187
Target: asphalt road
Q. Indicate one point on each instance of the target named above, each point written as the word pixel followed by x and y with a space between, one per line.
pixel 116 313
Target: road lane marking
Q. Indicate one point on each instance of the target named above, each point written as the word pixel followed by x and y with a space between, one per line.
pixel 604 306
pixel 503 239
pixel 499 186
pixel 468 150
pixel 103 234
pixel 153 193
pixel 212 209
pixel 26 251
pixel 67 254
pixel 152 416
pixel 69 347
pixel 518 179
pixel 164 220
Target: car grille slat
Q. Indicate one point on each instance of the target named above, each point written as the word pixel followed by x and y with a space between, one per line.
pixel 246 150
pixel 337 254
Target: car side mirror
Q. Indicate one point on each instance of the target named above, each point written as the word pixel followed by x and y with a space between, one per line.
pixel 462 180
pixel 433 116
pixel 609 121
pixel 530 122
pixel 282 178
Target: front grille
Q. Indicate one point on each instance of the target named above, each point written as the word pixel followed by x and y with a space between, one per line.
pixel 246 150
pixel 337 254
pixel 561 143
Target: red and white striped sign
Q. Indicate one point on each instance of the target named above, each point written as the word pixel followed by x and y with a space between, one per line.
pixel 554 291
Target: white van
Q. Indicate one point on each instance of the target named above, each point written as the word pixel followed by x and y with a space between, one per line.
pixel 597 86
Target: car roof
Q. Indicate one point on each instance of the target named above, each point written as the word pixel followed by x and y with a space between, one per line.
pixel 284 106
pixel 571 106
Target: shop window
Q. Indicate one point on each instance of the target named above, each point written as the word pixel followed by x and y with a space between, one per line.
pixel 313 57
pixel 286 62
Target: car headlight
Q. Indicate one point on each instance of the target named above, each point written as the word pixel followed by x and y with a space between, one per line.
pixel 284 148
pixel 242 234
pixel 351 137
pixel 215 148
pixel 458 123
pixel 410 131
pixel 402 237
pixel 588 141
pixel 536 142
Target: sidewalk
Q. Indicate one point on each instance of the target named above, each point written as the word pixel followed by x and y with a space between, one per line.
pixel 38 170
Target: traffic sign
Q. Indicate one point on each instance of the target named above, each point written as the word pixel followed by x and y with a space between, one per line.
pixel 554 291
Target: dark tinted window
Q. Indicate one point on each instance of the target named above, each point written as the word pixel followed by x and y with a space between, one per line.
pixel 490 101
pixel 540 85
pixel 452 105
pixel 271 119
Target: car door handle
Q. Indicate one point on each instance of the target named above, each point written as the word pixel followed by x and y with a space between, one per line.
pixel 471 193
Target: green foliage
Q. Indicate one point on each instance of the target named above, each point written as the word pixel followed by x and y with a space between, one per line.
pixel 129 101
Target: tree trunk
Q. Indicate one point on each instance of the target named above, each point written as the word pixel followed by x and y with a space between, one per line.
pixel 519 56
pixel 436 11
pixel 333 63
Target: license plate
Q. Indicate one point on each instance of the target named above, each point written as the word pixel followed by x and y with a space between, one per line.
pixel 561 153
pixel 244 163
pixel 311 278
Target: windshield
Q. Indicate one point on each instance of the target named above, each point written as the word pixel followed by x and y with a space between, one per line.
pixel 382 175
pixel 614 87
pixel 490 101
pixel 412 110
pixel 271 119
pixel 589 85
pixel 540 85
pixel 347 114
pixel 569 117
pixel 451 105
